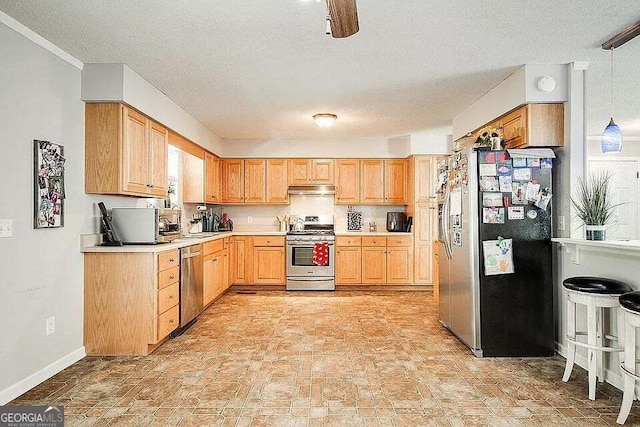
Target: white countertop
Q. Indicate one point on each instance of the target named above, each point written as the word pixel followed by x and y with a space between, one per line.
pixel 614 247
pixel 207 237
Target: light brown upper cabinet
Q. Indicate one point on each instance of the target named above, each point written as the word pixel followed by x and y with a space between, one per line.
pixel 311 171
pixel 372 181
pixel 232 181
pixel 192 179
pixel 532 125
pixel 257 181
pixel 213 182
pixel 395 181
pixel 125 152
pixel 347 181
pixel 255 190
pixel 277 181
pixel 424 187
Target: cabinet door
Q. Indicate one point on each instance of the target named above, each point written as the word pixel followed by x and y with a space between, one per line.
pixel 255 190
pixel 395 177
pixel 192 178
pixel 232 181
pixel 225 269
pixel 424 185
pixel 136 162
pixel 371 181
pixel 514 127
pixel 208 279
pixel 399 265
pixel 241 260
pixel 348 265
pixel 424 235
pixel 159 145
pixel 277 181
pixel 348 181
pixel 374 265
pixel 299 171
pixel 323 171
pixel 212 179
pixel 219 274
pixel 269 264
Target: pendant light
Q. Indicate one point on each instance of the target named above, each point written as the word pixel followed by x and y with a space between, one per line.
pixel 611 141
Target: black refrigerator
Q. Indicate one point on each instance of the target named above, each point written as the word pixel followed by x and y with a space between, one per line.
pixel 495 261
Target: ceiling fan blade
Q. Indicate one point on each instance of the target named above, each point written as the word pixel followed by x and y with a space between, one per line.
pixel 344 18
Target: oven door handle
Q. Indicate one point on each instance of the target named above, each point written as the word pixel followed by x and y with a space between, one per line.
pixel 306 245
pixel 310 279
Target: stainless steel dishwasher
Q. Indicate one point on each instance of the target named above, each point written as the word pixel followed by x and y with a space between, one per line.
pixel 191 283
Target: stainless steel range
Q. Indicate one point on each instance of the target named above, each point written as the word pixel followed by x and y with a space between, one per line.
pixel 311 254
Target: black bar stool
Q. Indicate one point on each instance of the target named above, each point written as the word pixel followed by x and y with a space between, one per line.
pixel 596 293
pixel 630 303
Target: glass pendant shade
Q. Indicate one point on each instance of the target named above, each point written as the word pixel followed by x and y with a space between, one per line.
pixel 611 138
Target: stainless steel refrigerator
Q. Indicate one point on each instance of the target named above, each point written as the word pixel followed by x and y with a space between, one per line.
pixel 489 197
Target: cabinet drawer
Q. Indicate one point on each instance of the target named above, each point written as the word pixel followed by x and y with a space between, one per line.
pixel 168 321
pixel 268 241
pixel 348 241
pixel 399 241
pixel 169 259
pixel 374 241
pixel 168 277
pixel 168 297
pixel 213 246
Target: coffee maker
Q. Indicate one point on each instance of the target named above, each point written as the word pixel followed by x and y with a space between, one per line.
pixel 396 221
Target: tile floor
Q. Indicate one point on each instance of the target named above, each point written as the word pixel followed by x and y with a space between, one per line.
pixel 331 359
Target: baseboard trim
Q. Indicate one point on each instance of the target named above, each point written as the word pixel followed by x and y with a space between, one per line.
pixel 21 387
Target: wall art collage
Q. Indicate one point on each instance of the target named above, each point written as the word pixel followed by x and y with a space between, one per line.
pixel 49 194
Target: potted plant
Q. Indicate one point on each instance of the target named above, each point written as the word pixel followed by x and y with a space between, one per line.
pixel 594 204
pixel 490 138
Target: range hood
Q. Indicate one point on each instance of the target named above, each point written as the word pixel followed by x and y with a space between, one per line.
pixel 312 190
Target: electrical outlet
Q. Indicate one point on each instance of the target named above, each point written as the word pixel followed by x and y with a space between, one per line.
pixel 51 325
pixel 249 220
pixel 6 228
pixel 561 223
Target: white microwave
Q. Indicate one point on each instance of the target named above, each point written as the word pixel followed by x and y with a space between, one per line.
pixel 146 226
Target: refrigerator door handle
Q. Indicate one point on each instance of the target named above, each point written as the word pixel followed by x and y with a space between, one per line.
pixel 445 223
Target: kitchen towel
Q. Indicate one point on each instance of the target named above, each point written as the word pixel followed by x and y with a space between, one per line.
pixel 321 254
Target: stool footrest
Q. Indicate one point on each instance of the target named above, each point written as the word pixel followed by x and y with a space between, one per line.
pixel 594 347
pixel 625 371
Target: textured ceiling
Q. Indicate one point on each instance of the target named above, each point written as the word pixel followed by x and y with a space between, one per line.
pixel 262 68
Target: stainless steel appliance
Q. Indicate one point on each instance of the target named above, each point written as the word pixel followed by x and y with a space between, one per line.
pixel 396 221
pixel 191 283
pixel 146 225
pixel 303 273
pixel 500 314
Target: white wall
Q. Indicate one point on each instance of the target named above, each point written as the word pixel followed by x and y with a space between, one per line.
pixel 398 147
pixel 119 83
pixel 42 270
pixel 517 89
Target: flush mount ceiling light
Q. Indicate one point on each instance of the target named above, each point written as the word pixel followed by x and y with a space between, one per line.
pixel 612 136
pixel 325 120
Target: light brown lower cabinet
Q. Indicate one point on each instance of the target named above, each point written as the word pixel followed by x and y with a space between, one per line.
pixel 374 260
pixel 215 264
pixel 241 260
pixel 269 259
pixel 348 265
pixel 131 301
